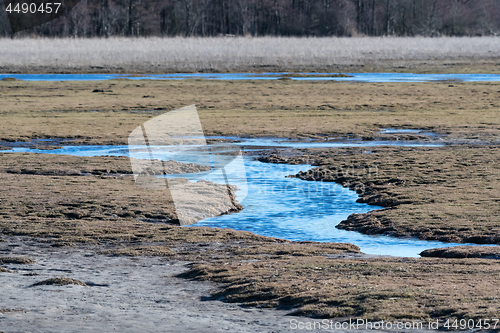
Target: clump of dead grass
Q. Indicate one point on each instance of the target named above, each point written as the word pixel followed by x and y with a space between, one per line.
pixel 60 281
pixel 299 249
pixel 489 252
pixel 16 260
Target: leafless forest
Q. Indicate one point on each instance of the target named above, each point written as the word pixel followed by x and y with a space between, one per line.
pixel 104 18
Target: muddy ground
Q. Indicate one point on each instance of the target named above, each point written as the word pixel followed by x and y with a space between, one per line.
pixel 451 193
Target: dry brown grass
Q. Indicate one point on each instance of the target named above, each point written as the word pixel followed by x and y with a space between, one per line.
pixel 49 195
pixel 46 206
pixel 160 55
pixel 377 289
pixel 295 249
pixel 55 165
pixel 39 164
pixel 278 108
pixel 89 209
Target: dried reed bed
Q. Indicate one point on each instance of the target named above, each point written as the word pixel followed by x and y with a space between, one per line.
pixel 234 54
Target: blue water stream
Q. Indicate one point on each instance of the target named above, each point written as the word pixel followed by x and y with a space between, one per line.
pixel 353 77
pixel 278 206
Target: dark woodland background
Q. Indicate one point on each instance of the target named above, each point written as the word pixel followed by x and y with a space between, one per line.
pixel 105 18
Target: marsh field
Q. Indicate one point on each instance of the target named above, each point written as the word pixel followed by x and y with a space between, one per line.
pixel 246 54
pixel 448 193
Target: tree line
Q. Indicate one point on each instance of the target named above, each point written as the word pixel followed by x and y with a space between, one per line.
pixel 105 18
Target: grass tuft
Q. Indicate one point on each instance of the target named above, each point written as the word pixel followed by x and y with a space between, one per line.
pixel 16 260
pixel 59 281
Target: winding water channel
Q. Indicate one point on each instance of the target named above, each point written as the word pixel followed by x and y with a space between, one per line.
pixel 278 206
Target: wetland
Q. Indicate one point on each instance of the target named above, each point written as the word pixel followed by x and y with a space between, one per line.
pixel 446 191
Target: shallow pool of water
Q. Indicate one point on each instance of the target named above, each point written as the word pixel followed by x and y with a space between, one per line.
pixel 354 77
pixel 287 143
pixel 409 131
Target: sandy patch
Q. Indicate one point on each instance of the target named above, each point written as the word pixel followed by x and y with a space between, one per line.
pixel 123 294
